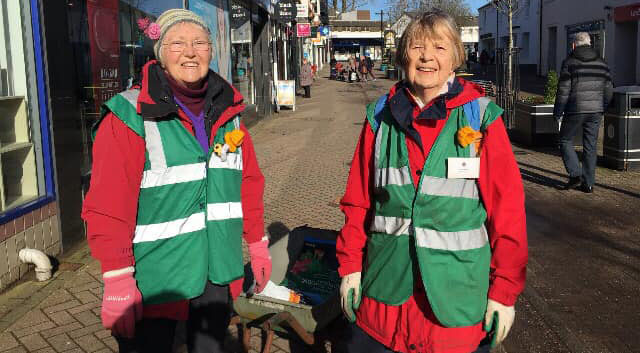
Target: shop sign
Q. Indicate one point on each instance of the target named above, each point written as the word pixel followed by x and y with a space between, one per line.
pixel 304 30
pixel 302 9
pixel 239 15
pixel 314 31
pixel 285 10
pixel 104 40
pixel 627 13
pixel 324 30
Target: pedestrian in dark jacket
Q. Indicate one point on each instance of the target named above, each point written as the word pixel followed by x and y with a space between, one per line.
pixel 306 78
pixel 584 91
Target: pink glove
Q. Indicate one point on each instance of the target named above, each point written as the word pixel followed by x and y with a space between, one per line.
pixel 260 263
pixel 121 304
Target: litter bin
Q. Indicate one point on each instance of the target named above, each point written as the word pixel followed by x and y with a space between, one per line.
pixel 621 140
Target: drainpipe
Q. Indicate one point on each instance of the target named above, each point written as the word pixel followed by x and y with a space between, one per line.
pixel 540 39
pixel 38 258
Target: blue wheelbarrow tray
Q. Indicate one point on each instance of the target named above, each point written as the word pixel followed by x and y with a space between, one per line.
pixel 272 314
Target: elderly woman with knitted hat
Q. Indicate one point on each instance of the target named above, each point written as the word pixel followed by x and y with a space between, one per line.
pixel 175 188
pixel 434 249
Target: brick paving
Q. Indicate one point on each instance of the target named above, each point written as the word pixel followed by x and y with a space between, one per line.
pixel 305 156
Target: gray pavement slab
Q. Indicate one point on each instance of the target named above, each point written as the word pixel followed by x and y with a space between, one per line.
pixel 583 287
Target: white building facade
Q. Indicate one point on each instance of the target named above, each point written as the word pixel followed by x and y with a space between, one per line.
pixel 614 30
pixel 494 30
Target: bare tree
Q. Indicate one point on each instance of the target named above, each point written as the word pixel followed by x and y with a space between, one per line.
pixel 456 8
pixel 335 4
pixel 509 8
pixel 344 6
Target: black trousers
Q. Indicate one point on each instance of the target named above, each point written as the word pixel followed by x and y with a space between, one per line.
pixel 307 91
pixel 209 316
pixel 361 342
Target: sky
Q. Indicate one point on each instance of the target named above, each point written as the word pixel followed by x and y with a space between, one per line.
pixel 376 5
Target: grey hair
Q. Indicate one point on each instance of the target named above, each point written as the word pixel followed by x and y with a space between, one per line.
pixel 582 38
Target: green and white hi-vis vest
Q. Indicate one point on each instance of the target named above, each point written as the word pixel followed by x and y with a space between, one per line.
pixel 438 226
pixel 189 223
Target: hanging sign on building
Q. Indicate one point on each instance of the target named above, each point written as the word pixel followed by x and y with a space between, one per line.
pixel 304 30
pixel 286 10
pixel 239 15
pixel 324 31
pixel 627 13
pixel 302 9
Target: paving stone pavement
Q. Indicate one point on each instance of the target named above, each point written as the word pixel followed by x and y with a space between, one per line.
pixel 305 156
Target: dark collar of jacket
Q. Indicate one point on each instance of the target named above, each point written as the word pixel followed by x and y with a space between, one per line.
pixel 156 98
pixel 402 108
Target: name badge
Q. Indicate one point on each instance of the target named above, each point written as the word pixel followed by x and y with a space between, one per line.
pixel 463 168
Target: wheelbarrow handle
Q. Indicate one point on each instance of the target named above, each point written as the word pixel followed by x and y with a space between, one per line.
pixel 284 316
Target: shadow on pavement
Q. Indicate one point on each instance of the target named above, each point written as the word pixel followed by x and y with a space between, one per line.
pixel 546 181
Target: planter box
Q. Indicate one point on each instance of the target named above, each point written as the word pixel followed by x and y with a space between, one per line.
pixel 534 125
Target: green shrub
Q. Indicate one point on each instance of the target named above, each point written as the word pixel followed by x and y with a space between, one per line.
pixel 532 100
pixel 551 87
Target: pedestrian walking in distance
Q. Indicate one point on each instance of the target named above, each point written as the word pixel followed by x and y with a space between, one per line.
pixel 584 92
pixel 434 205
pixel 175 188
pixel 306 77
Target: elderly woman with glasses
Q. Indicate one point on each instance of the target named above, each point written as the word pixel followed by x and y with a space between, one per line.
pixel 175 188
pixel 434 249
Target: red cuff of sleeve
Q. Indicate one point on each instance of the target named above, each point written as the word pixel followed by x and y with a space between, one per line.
pixel 347 268
pixel 115 264
pixel 501 295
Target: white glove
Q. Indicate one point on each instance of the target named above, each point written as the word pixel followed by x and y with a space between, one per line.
pixel 503 315
pixel 350 295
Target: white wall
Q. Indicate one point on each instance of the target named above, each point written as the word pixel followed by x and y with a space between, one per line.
pixel 469 34
pixel 559 14
pixel 525 25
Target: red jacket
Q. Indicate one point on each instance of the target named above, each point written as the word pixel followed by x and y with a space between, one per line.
pixel 110 208
pixel 412 325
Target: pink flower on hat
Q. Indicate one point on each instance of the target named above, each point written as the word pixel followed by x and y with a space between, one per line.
pixel 153 31
pixel 143 23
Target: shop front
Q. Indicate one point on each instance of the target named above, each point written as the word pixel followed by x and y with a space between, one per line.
pixel 28 195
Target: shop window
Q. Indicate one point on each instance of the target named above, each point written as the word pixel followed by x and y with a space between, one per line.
pixel 241 51
pixel 109 51
pixel 21 168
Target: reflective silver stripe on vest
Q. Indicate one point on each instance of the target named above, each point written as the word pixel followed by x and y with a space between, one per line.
pixel 449 187
pixel 132 97
pixel 154 145
pixel 452 241
pixel 391 225
pixel 483 102
pixel 234 160
pixel 224 210
pixel 393 176
pixel 173 175
pixel 169 229
pixel 378 142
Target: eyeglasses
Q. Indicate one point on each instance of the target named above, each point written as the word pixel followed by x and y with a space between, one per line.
pixel 178 46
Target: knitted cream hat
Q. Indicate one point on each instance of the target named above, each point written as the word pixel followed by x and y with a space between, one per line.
pixel 171 17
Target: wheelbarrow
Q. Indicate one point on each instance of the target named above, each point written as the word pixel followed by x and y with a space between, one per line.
pixel 270 314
